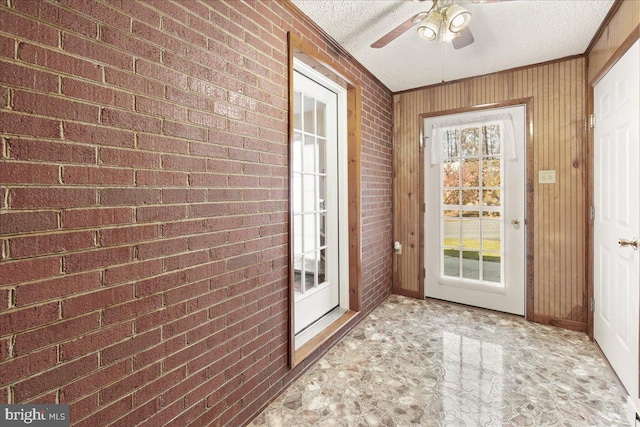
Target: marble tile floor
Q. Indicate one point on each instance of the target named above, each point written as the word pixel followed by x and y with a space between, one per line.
pixel 430 363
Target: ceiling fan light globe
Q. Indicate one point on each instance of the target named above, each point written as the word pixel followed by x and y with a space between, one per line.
pixel 427 33
pixel 457 18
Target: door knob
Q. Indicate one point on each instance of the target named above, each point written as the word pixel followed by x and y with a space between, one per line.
pixel 515 222
pixel 624 242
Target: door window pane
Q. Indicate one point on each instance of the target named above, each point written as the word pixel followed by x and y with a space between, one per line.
pixel 471 203
pixel 297 113
pixel 321 110
pixel 309 115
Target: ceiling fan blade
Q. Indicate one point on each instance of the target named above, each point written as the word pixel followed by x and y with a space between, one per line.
pixel 399 30
pixel 465 39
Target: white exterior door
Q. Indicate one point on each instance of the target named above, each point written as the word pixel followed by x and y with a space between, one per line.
pixel 616 223
pixel 314 201
pixel 475 209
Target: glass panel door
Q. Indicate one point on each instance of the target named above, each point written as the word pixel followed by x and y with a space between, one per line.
pixel 314 201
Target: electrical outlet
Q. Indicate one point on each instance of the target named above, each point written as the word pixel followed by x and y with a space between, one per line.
pixel 547 177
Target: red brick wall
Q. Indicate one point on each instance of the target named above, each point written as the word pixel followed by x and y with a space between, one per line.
pixel 143 207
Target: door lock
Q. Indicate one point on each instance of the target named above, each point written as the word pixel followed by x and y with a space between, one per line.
pixel 515 222
pixel 624 242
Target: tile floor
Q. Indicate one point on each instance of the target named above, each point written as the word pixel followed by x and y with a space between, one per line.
pixel 430 363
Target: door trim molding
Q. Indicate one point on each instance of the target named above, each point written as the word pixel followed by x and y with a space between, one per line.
pixel 529 200
pixel 335 71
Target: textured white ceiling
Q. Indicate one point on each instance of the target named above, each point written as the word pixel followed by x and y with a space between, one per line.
pixel 508 34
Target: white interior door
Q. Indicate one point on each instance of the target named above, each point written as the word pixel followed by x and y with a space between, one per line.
pixel 315 201
pixel 475 209
pixel 616 193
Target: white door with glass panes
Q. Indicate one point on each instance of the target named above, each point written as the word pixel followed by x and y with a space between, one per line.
pixel 475 208
pixel 314 201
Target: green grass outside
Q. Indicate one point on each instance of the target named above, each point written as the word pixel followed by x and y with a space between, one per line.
pixel 489 245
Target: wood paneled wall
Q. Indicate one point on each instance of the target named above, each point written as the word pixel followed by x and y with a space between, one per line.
pixel 558 114
pixel 614 35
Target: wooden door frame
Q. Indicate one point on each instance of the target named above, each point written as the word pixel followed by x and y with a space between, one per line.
pixel 529 182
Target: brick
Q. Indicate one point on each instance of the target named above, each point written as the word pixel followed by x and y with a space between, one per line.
pixel 159 317
pixel 39 198
pixel 94 382
pixel 138 10
pixel 28 365
pixel 24 318
pixel 82 407
pixel 64 18
pixel 131 310
pixel 182 357
pixel 24 149
pixel 131 272
pixel 23 124
pixel 100 12
pixel 141 412
pixel 26 270
pixel 55 333
pixel 92 260
pixel 29 246
pixel 160 385
pixel 131 44
pixel 55 60
pixel 178 63
pixel 96 93
pixel 190 100
pixel 159 37
pixel 28 29
pixel 7 47
pixel 28 173
pixel 183 32
pixel 94 341
pixel 162 144
pixel 134 83
pixel 183 163
pixel 130 121
pixel 54 107
pixel 183 228
pixel 162 248
pixel 207 120
pixel 98 52
pixel 178 262
pixel 187 195
pixel 146 178
pixel 161 73
pixel 129 158
pixel 107 414
pixel 97 176
pixel 224 166
pixel 55 378
pixel 208 180
pixel 20 222
pixel 182 130
pixel 81 218
pixel 160 213
pixel 129 196
pixel 129 384
pixel 130 347
pixel 159 108
pixel 207 241
pixel 159 284
pixel 129 234
pixel 205 271
pixel 207 210
pixel 97 300
pixel 56 288
pixel 18 75
pixel 187 292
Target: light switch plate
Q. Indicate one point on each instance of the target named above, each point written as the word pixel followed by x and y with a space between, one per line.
pixel 547 176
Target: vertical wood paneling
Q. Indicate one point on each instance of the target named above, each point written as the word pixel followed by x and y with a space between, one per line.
pixel 557 110
pixel 622 24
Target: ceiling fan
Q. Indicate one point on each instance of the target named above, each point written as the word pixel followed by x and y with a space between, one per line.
pixel 443 20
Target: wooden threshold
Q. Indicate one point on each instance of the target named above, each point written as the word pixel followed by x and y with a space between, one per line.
pixel 316 342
